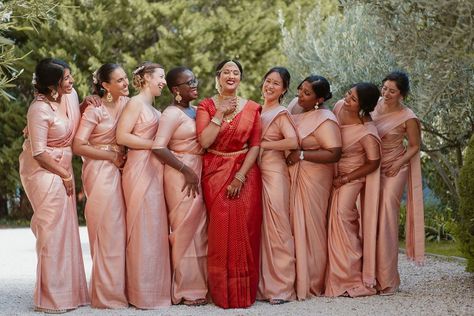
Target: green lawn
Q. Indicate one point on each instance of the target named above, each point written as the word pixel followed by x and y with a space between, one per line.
pixel 445 248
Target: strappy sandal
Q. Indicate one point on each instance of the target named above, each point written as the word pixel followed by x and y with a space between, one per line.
pixel 277 301
pixel 198 302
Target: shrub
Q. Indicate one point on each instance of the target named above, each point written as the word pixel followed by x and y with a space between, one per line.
pixel 466 207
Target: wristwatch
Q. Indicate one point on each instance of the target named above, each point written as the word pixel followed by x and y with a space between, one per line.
pixel 301 155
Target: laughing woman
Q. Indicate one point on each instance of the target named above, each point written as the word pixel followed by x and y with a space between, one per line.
pixel 147 252
pixel 176 145
pixel 400 166
pixel 352 230
pixel 229 128
pixel 311 170
pixel 95 141
pixel 277 273
pixel 47 177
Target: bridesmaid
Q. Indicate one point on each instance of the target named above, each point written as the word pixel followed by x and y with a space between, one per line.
pixel 351 262
pixel 400 166
pixel 277 267
pixel 47 177
pixel 177 146
pixel 147 253
pixel 311 172
pixel 105 208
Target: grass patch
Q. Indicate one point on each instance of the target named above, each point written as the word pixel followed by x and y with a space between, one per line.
pixel 14 223
pixel 444 248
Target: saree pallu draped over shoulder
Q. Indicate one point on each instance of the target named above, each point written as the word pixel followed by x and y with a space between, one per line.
pixel 352 230
pixel 277 267
pixel 311 185
pixel 105 209
pixel 234 224
pixel 147 251
pixel 60 276
pixel 392 130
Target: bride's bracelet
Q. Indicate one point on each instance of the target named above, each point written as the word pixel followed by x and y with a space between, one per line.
pixel 240 177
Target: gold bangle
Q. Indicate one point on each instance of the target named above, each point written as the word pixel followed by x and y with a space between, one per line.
pixel 216 121
pixel 240 177
pixel 67 179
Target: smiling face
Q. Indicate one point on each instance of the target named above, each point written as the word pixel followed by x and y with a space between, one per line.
pixel 118 83
pixel 273 88
pixel 229 78
pixel 66 84
pixel 186 86
pixel 391 94
pixel 351 101
pixel 156 81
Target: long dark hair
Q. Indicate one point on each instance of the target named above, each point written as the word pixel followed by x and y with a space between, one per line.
pixel 103 75
pixel 49 72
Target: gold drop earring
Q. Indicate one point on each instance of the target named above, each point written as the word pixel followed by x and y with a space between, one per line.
pixel 109 97
pixel 54 94
pixel 178 97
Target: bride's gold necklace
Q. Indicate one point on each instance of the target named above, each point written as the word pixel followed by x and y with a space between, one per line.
pixel 230 117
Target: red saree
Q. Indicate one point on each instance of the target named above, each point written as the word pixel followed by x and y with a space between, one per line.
pixel 234 224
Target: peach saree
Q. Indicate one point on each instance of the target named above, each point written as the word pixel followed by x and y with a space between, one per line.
pixel 352 230
pixel 277 266
pixel 147 251
pixel 60 277
pixel 186 215
pixel 105 209
pixel 311 185
pixel 392 130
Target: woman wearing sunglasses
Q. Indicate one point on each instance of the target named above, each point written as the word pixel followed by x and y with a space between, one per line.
pixel 177 146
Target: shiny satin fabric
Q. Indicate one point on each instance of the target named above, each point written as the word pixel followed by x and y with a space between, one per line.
pixel 104 210
pixel 311 185
pixel 148 268
pixel 277 266
pixel 352 230
pixel 187 215
pixel 234 224
pixel 60 277
pixel 392 130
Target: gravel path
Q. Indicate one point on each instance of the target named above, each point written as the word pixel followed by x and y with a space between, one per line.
pixel 441 287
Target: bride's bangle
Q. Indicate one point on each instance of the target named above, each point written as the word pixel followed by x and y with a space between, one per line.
pixel 216 121
pixel 240 177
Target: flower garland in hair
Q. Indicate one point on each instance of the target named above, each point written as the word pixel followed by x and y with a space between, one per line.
pixel 136 71
pixel 33 79
pixel 94 77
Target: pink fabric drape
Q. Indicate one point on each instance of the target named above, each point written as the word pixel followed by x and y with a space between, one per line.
pixel 147 251
pixel 105 209
pixel 311 185
pixel 186 215
pixel 352 231
pixel 392 130
pixel 60 276
pixel 277 266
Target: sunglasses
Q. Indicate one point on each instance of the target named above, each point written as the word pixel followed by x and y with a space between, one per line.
pixel 193 83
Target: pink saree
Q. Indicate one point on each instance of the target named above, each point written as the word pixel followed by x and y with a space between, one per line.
pixel 392 130
pixel 60 277
pixel 352 230
pixel 277 266
pixel 105 209
pixel 186 215
pixel 147 251
pixel 311 185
